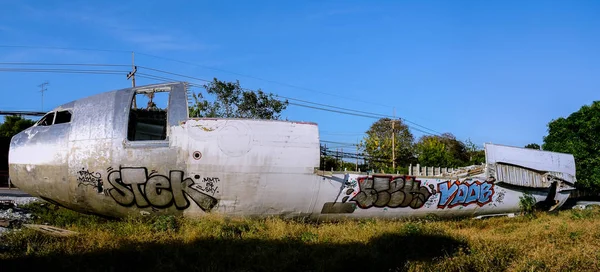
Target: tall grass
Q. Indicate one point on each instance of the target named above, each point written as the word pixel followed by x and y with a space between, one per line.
pixel 564 241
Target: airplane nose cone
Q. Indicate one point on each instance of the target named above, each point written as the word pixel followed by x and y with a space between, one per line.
pixel 14 159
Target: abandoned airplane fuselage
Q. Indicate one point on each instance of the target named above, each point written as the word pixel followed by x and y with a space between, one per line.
pixel 104 155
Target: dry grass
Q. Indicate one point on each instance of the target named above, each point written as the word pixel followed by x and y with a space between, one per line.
pixel 565 241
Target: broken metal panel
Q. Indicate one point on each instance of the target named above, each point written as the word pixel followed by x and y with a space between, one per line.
pixel 530 158
pixel 529 167
pixel 521 176
pixel 529 178
pixel 178 105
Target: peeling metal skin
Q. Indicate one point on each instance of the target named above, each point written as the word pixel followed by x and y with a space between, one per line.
pixel 241 167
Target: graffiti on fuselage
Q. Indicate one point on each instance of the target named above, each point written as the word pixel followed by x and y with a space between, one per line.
pixel 135 186
pixel 389 191
pixel 382 191
pixel 207 185
pixel 455 193
pixel 87 178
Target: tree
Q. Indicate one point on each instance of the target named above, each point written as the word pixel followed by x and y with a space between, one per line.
pixel 13 125
pixel 232 101
pixel 432 151
pixel 442 151
pixel 378 144
pixel 533 146
pixel 457 149
pixel 476 154
pixel 579 134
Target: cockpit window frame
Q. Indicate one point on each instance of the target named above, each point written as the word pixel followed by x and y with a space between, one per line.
pixel 54 113
pixel 131 141
pixel 39 122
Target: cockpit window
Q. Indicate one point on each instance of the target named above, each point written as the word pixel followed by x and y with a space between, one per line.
pixel 148 116
pixel 62 117
pixel 47 120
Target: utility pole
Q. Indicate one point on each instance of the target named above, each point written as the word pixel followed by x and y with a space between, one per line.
pixel 393 142
pixel 132 76
pixel 337 155
pixel 43 89
pixel 357 156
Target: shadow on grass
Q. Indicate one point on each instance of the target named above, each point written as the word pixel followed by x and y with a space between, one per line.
pixel 388 252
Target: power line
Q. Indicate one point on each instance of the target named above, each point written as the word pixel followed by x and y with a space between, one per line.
pixel 39 70
pixel 175 74
pixel 332 142
pixel 340 110
pixel 64 48
pixel 61 64
pixel 262 79
pixel 217 69
pixel 184 62
pixel 347 111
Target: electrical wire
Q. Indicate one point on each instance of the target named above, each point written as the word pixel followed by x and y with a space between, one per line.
pixel 63 64
pixel 72 71
pixel 339 109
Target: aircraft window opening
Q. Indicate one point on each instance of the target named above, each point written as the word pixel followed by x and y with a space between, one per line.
pixel 148 116
pixel 47 120
pixel 62 117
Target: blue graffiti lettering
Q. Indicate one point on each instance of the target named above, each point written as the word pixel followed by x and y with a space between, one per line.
pixel 457 193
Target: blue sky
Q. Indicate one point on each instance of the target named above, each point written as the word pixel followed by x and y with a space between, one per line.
pixel 492 71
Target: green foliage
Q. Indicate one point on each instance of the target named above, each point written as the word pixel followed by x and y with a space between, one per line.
pixel 534 146
pixel 13 125
pixel 527 204
pixel 475 154
pixel 432 151
pixel 233 101
pixel 590 212
pixel 309 237
pixel 46 213
pixel 412 228
pixel 165 223
pixel 579 134
pixel 329 162
pixel 378 144
pixel 444 151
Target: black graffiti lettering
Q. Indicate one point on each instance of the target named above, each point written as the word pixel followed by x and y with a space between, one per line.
pixel 203 200
pixel 209 185
pixel 134 185
pixel 393 192
pixel 119 192
pixel 87 178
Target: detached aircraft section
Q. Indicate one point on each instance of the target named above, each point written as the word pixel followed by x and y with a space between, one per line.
pixel 136 151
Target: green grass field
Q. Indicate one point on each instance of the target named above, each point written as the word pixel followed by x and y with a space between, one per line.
pixel 563 241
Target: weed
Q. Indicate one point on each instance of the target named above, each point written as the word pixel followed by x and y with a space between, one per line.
pixel 411 228
pixel 527 204
pixel 309 237
pixel 165 223
pixel 574 235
